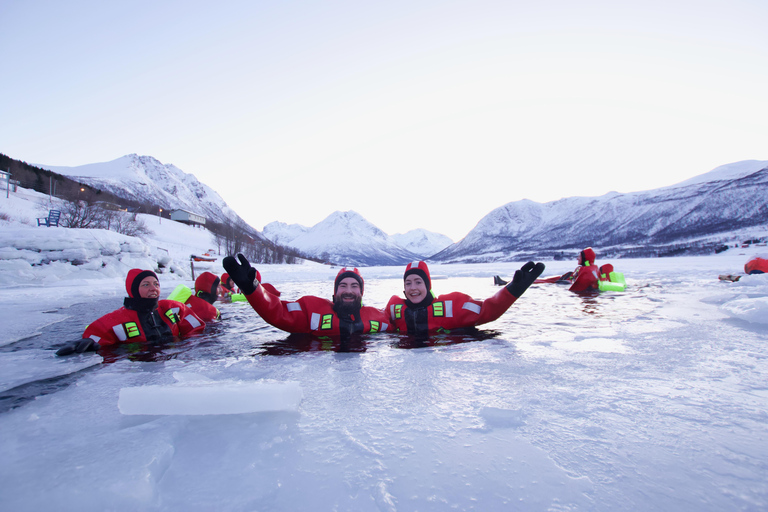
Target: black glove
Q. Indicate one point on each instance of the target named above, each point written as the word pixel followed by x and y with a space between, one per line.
pixel 243 274
pixel 78 346
pixel 524 278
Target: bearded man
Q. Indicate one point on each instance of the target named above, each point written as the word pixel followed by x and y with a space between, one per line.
pixel 342 316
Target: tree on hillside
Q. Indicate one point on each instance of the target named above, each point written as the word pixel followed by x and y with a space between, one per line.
pixel 81 214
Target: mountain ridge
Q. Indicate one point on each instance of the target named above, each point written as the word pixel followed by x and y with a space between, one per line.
pixel 693 215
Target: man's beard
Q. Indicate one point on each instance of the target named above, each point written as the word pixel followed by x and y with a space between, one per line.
pixel 347 308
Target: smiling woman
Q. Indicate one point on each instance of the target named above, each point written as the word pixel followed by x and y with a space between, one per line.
pixel 143 318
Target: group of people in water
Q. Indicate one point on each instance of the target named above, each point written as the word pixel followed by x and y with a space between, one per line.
pixel 145 317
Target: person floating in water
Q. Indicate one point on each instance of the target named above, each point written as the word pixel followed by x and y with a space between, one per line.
pixel 142 318
pixel 585 277
pixel 421 312
pixel 342 316
pixel 226 286
pixel 206 293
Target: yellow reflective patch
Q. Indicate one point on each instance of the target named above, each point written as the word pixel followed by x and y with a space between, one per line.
pixel 437 309
pixel 327 322
pixel 172 316
pixel 398 311
pixel 132 330
pixel 375 326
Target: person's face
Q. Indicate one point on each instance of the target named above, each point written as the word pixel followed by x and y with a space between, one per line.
pixel 149 288
pixel 349 291
pixel 415 289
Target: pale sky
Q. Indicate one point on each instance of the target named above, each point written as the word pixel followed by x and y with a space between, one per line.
pixel 413 113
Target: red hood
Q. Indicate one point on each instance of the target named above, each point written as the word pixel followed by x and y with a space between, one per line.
pixel 135 277
pixel 588 255
pixel 208 283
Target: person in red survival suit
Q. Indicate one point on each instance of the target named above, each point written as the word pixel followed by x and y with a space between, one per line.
pixel 605 272
pixel 206 293
pixel 229 287
pixel 342 316
pixel 585 277
pixel 142 318
pixel 421 312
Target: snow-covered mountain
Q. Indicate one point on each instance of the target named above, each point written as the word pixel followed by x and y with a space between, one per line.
pixel 696 214
pixel 345 238
pixel 422 242
pixel 418 243
pixel 282 233
pixel 143 178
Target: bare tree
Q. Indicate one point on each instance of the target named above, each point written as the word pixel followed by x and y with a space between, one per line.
pixel 81 214
pixel 127 224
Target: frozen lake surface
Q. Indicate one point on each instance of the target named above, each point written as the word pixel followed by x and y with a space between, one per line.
pixel 651 399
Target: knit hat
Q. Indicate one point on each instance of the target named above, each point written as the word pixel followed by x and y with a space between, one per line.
pixel 344 273
pixel 587 255
pixel 207 283
pixel 420 269
pixel 134 279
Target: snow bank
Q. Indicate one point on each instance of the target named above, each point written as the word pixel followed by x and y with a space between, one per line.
pixel 49 255
pixel 748 299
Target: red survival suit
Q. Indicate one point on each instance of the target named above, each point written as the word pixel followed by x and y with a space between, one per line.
pixel 586 276
pixel 757 265
pixel 140 320
pixel 206 293
pixel 315 315
pixel 445 312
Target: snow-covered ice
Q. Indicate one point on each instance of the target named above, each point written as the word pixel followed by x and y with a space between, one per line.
pixel 653 399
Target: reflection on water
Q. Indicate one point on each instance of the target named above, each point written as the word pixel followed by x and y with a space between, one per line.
pixel 295 343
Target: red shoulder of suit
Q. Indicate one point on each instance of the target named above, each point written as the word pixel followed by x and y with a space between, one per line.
pixel 203 309
pixel 454 310
pixel 123 325
pixel 310 314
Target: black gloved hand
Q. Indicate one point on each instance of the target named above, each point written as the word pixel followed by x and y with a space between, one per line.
pixel 243 274
pixel 524 278
pixel 78 346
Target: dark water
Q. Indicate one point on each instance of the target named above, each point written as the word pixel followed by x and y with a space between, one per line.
pixel 242 333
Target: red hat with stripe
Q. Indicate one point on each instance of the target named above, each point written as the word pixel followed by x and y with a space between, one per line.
pixel 421 269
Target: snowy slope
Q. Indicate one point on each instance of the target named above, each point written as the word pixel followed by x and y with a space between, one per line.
pixel 709 208
pixel 422 242
pixel 144 178
pixel 282 233
pixel 348 239
pixel 419 242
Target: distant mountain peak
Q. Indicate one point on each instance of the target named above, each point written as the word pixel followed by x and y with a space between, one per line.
pixel 654 222
pixel 146 179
